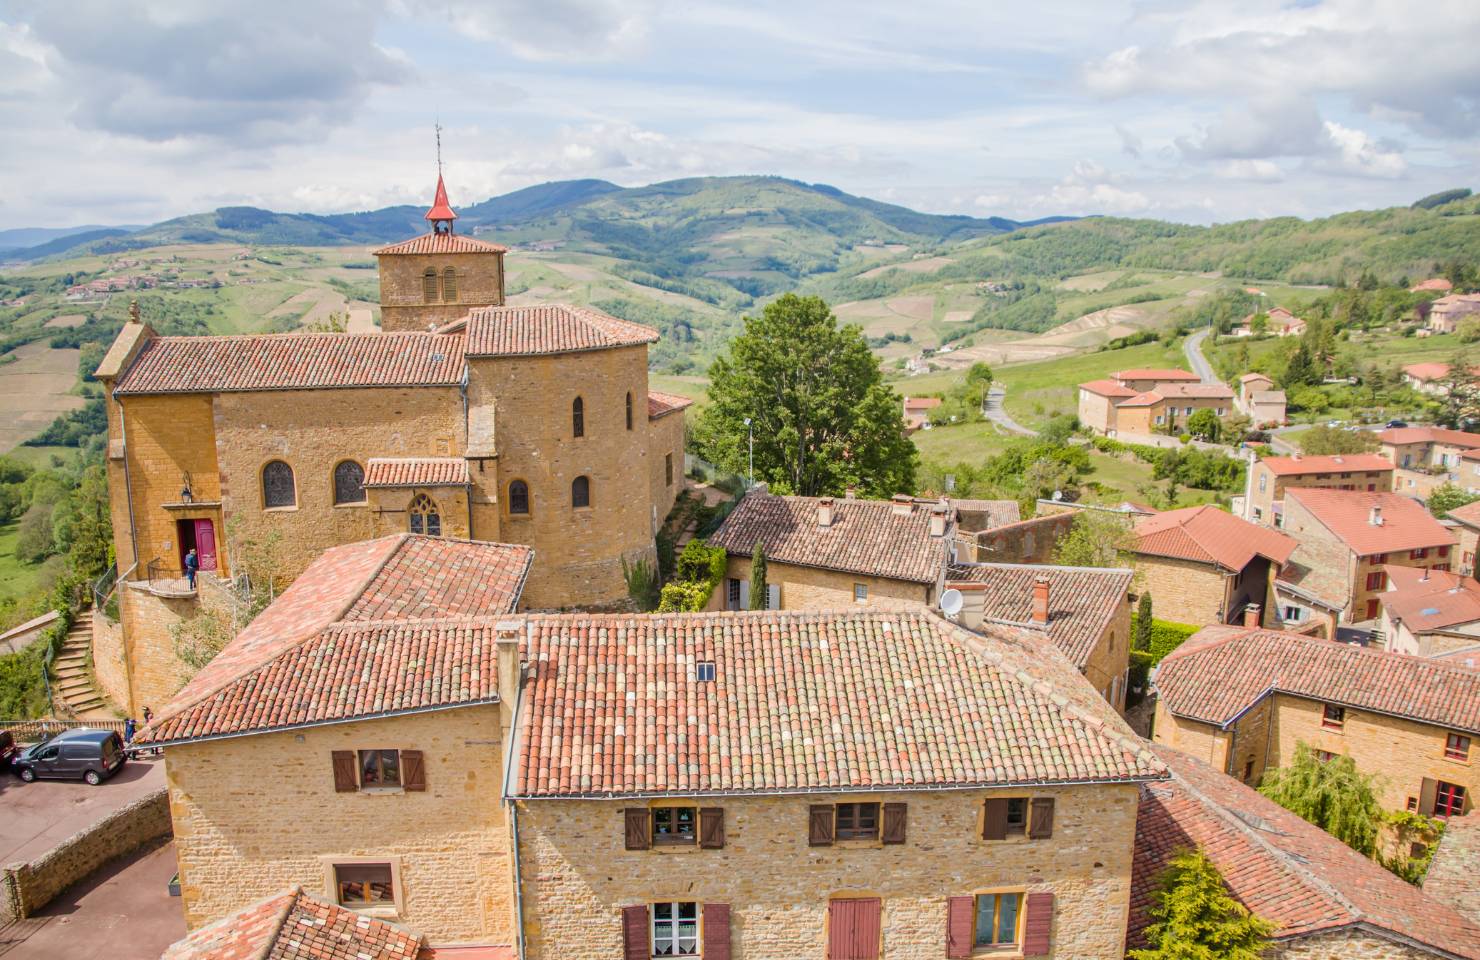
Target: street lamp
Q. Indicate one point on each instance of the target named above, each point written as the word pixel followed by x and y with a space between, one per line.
pixel 750 441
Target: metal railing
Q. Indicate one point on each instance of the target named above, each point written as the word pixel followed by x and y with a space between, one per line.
pixel 28 731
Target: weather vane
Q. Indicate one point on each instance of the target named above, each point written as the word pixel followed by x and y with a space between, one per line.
pixel 439 147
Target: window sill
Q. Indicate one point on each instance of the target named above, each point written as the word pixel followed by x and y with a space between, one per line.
pixel 383 791
pixel 859 843
pixel 675 847
pixel 1458 761
pixel 292 509
pixel 378 912
pixel 1010 838
pixel 352 506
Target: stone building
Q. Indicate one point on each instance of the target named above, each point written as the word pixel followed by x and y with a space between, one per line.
pixel 1431 613
pixel 1148 401
pixel 1270 477
pixel 529 424
pixel 1260 401
pixel 1241 701
pixel 1465 524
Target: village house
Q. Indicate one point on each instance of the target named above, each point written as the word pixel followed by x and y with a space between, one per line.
pixel 1439 284
pixel 1464 523
pixel 1446 313
pixel 1270 477
pixel 1347 537
pixel 1148 401
pixel 1282 323
pixel 1428 377
pixel 1204 565
pixel 1324 899
pixel 1429 456
pixel 1241 700
pixel 1260 401
pixel 917 411
pixel 1431 613
pixel 527 424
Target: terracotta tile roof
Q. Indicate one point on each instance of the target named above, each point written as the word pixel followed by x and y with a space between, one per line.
pixel 1195 391
pixel 1443 600
pixel 981 515
pixel 1081 600
pixel 1280 867
pixel 293 361
pixel 1427 371
pixel 922 403
pixel 416 472
pixel 549 328
pixel 865 537
pixel 1107 388
pixel 662 404
pixel 1434 283
pixel 314 655
pixel 1250 377
pixel 297 926
pixel 1215 678
pixel 805 702
pixel 1342 463
pixel 1206 534
pixel 1347 514
pixel 1454 874
pixel 1469 514
pixel 1401 435
pixel 440 243
pixel 1155 373
pixel 1322 583
pixel 1148 399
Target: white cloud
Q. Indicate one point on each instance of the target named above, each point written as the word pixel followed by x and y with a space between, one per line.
pixel 551 29
pixel 1259 171
pixel 1354 152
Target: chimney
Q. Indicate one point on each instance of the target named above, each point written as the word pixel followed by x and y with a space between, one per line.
pixel 1040 601
pixel 903 504
pixel 507 652
pixel 1424 578
pixel 851 493
pixel 938 516
pixel 1251 615
pixel 824 511
pixel 1374 517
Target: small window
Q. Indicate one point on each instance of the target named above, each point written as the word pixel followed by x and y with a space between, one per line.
pixel 675 929
pixel 1443 552
pixel 380 768
pixel 732 593
pixel 1418 554
pixel 668 469
pixel 1017 815
pixel 580 492
pixel 1263 480
pixel 277 485
pixel 1379 559
pixel 578 417
pixel 860 592
pixel 674 826
pixel 1457 747
pixel 1449 800
pixel 1248 770
pixel 429 285
pixel 629 409
pixel 449 285
pixel 704 671
pixel 1376 580
pixel 1325 756
pixel 1333 717
pixel 364 884
pixel 857 821
pixel 424 516
pixel 997 919
pixel 518 497
pixel 349 483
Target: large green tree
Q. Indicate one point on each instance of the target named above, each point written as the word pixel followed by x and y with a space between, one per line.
pixel 1446 497
pixel 1193 916
pixel 821 415
pixel 1321 440
pixel 1332 794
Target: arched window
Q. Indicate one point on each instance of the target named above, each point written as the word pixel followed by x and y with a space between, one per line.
pixel 580 492
pixel 429 285
pixel 578 417
pixel 629 409
pixel 519 497
pixel 449 285
pixel 277 485
pixel 349 482
pixel 424 516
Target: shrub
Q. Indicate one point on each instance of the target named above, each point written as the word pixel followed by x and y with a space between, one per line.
pixel 1166 636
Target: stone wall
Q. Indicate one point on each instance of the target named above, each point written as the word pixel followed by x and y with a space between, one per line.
pixel 1351 944
pixel 403 306
pixel 1095 412
pixel 154 672
pixel 577 875
pixel 256 814
pixel 665 458
pixel 1027 541
pixel 168 438
pixel 1181 590
pixel 108 656
pixel 27 887
pixel 1110 658
pixel 1202 740
pixel 808 588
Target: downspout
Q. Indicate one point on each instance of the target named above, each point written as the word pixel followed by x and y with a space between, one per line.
pixel 128 488
pixel 462 389
pixel 509 766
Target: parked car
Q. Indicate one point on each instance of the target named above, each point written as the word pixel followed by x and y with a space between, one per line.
pixel 1397 424
pixel 85 754
pixel 8 749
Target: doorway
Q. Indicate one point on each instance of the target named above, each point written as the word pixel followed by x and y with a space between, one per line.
pixel 200 536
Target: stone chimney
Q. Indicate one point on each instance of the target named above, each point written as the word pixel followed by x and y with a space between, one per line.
pixel 1040 601
pixel 1251 615
pixel 508 633
pixel 938 514
pixel 851 493
pixel 1374 516
pixel 824 511
pixel 903 504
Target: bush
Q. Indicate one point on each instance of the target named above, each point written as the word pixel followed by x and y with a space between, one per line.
pixel 684 596
pixel 701 568
pixel 1166 636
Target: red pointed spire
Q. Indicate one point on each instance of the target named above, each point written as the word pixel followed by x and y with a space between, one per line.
pixel 441 209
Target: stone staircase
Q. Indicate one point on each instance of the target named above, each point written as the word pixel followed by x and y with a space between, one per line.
pixel 72 687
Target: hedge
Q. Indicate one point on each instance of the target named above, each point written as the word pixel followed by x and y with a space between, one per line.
pixel 700 569
pixel 1166 636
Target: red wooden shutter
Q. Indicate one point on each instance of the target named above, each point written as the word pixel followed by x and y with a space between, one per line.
pixel 853 930
pixel 413 770
pixel 820 825
pixel 994 822
pixel 716 931
pixel 1041 825
pixel 635 933
pixel 894 820
pixel 959 920
pixel 1037 924
pixel 345 774
pixel 638 823
pixel 712 829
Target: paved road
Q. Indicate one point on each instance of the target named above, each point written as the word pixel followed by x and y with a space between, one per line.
pixel 1192 346
pixel 992 409
pixel 34 817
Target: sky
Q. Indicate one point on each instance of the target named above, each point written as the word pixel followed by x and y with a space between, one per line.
pixel 133 111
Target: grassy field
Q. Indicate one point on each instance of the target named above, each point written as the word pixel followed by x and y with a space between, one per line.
pixel 16 578
pixel 1038 391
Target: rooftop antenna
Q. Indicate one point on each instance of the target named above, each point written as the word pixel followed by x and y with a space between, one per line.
pixel 438 126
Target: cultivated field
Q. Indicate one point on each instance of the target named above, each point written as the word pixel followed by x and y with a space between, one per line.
pixel 35 389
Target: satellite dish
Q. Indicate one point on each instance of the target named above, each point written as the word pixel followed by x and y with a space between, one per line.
pixel 951 602
pixel 1058 495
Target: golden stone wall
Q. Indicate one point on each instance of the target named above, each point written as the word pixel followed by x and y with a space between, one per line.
pixel 666 438
pixel 1111 656
pixel 1351 944
pixel 1202 740
pixel 480 283
pixel 108 653
pixel 1182 591
pixel 808 588
pixel 154 672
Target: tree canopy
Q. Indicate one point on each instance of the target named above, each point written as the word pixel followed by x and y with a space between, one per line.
pixel 1332 794
pixel 1193 916
pixel 1320 441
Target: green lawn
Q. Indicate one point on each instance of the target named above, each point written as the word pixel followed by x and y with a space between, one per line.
pixel 1037 391
pixel 16 578
pixel 40 457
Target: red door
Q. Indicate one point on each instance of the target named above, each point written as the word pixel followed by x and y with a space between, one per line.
pixel 1372 609
pixel 205 544
pixel 853 929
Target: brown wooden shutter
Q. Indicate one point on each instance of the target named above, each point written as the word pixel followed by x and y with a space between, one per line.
pixel 959 920
pixel 820 825
pixel 716 931
pixel 894 821
pixel 1428 794
pixel 1037 924
pixel 413 770
pixel 994 821
pixel 639 823
pixel 853 929
pixel 345 774
pixel 712 829
pixel 635 933
pixel 1041 825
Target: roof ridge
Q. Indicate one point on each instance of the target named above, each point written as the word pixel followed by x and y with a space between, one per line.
pixel 280 918
pixel 295 335
pixel 480 620
pixel 1067 568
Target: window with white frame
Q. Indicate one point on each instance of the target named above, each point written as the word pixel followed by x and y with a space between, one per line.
pixel 675 929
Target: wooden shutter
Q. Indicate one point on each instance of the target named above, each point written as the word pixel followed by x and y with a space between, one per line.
pixel 712 829
pixel 1428 794
pixel 959 920
pixel 639 823
pixel 853 930
pixel 346 779
pixel 894 821
pixel 1041 825
pixel 1037 924
pixel 635 933
pixel 820 825
pixel 994 822
pixel 413 770
pixel 716 944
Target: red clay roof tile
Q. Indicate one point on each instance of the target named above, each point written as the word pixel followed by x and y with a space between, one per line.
pixel 416 472
pixel 297 926
pixel 1155 373
pixel 662 404
pixel 549 328
pixel 440 243
pixel 1340 463
pixel 1348 514
pixel 1206 534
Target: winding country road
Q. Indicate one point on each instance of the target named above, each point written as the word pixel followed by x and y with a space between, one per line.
pixel 1192 346
pixel 992 409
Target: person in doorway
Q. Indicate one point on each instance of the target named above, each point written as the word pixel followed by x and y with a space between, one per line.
pixel 192 565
